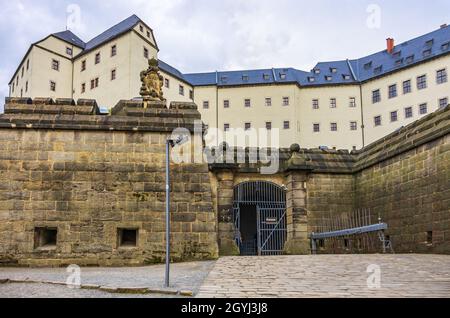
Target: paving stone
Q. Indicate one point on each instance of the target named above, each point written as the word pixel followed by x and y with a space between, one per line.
pixel 330 276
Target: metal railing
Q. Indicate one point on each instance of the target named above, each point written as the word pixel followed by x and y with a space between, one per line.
pixel 354 233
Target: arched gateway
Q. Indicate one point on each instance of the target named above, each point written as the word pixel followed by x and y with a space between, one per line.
pixel 260 218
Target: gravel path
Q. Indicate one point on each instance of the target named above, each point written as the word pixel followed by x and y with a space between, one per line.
pixel 49 291
pixel 184 277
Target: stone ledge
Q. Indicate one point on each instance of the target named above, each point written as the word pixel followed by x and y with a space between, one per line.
pixel 107 289
pixel 43 113
pixel 50 109
pixel 425 130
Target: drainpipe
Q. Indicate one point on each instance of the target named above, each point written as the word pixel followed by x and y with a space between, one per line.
pixel 217 103
pixel 73 73
pixel 361 99
pixel 362 115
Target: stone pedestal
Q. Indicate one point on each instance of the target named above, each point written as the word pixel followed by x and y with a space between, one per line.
pixel 297 215
pixel 227 244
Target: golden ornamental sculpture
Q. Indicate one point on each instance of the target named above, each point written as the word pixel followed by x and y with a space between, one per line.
pixel 152 82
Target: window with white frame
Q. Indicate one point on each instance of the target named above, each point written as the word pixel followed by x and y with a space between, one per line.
pixel 394 116
pixel 53 86
pixel 409 112
pixel 285 101
pixel 443 102
pixel 247 103
pixel 441 76
pixel 407 87
pixel 333 103
pixel 422 82
pixel 268 101
pixel 353 125
pixel 377 121
pixel 315 104
pixel 423 109
pixel 226 103
pixel 181 90
pixel 393 91
pixel 333 127
pixel 286 125
pixel 376 96
pixel 55 65
pixel 352 102
pixel 316 128
pixel 206 104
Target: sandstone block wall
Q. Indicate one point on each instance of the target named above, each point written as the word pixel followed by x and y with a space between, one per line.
pixel 89 184
pixel 329 195
pixel 404 179
pixel 411 190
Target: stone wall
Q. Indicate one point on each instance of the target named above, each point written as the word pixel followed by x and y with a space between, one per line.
pixel 405 178
pixel 93 185
pixel 329 195
pixel 64 167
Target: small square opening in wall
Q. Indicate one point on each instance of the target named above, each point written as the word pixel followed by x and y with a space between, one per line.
pixel 45 238
pixel 127 237
pixel 430 237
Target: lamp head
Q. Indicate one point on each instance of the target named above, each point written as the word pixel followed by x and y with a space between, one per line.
pixel 179 141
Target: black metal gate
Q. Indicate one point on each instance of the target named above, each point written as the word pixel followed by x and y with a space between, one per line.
pixel 269 202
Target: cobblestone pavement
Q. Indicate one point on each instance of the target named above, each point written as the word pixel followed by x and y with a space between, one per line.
pixel 184 277
pixel 328 276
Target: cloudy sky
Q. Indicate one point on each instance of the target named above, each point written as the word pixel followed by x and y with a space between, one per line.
pixel 205 35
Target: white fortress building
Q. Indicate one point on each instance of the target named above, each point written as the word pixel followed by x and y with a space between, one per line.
pixel 344 104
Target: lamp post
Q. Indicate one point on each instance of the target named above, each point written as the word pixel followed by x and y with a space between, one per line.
pixel 170 143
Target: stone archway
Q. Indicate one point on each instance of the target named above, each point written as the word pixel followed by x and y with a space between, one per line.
pixel 260 218
pixel 225 181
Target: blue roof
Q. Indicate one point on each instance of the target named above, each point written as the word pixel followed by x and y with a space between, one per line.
pixel 171 70
pixel 405 54
pixel 69 37
pixel 249 77
pixel 409 53
pixel 113 32
pixel 120 28
pixel 337 72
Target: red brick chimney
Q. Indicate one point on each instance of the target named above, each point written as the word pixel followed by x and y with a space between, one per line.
pixel 390 45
